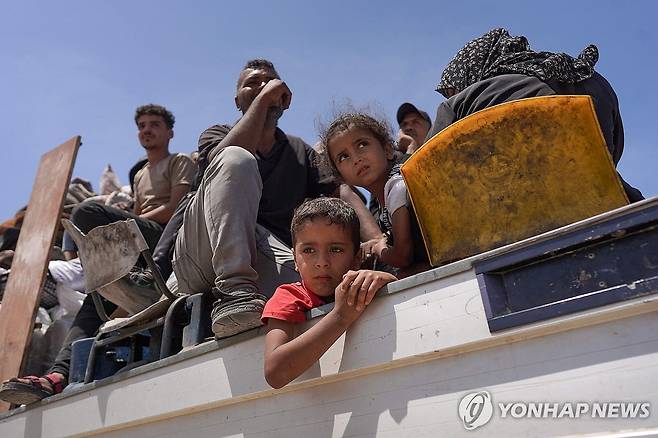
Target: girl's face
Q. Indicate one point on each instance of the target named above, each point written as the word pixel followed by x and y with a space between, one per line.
pixel 360 158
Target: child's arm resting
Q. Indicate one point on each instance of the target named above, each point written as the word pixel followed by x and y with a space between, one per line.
pixel 287 356
pixel 361 286
pixel 401 253
pixel 368 227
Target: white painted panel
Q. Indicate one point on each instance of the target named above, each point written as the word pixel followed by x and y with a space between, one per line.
pixel 421 400
pixel 398 372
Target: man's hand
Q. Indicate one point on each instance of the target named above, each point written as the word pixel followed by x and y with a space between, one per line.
pixel 276 94
pixel 405 143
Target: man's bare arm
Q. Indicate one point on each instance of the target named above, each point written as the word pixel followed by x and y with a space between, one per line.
pixel 369 228
pixel 249 129
pixel 163 213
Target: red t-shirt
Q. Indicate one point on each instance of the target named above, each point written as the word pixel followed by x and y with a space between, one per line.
pixel 290 303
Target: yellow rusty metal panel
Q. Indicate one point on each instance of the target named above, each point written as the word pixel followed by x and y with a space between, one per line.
pixel 510 172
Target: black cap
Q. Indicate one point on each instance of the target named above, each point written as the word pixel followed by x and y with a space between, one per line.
pixel 407 108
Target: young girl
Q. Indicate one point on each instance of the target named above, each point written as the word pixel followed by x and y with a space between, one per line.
pixel 360 149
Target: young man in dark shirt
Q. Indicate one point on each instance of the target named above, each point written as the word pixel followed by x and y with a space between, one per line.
pixel 235 239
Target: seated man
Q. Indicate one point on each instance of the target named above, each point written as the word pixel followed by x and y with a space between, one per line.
pixel 235 239
pixel 414 126
pixel 159 185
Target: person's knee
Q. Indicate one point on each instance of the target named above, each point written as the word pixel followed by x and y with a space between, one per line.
pixel 236 159
pixel 85 210
pixel 87 213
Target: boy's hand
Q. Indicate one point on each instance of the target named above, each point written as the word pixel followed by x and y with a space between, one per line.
pixel 357 290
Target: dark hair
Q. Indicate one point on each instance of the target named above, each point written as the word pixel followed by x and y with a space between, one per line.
pixel 335 210
pixel 133 172
pixel 378 128
pixel 257 64
pixel 156 110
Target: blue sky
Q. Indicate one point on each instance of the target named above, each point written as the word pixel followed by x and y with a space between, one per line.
pixel 82 67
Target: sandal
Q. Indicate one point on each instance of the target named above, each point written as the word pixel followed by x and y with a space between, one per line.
pixel 24 393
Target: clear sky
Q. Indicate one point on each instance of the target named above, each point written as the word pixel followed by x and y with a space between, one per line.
pixel 82 67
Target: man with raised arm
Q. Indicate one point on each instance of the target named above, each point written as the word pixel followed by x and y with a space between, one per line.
pixel 235 240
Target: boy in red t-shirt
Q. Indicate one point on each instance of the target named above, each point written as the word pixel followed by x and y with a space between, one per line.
pixel 325 238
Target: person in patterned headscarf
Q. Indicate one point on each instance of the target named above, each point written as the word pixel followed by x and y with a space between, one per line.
pixel 497 68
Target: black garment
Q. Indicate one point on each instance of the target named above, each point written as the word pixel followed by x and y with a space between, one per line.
pixel 374 207
pixel 9 238
pixel 133 171
pixel 85 325
pixel 497 53
pixel 290 172
pixel 206 144
pixel 487 93
pixel 499 89
pixel 90 215
pixel 164 249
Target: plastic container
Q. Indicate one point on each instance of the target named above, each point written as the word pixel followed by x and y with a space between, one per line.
pixel 510 172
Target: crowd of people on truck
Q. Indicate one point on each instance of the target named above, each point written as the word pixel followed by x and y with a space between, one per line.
pixel 273 227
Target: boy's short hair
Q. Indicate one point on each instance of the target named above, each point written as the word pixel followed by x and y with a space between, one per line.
pixel 335 210
pixel 156 110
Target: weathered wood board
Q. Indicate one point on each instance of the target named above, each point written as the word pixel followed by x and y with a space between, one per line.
pixel 21 298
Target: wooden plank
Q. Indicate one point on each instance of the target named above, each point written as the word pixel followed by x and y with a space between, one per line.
pixel 28 271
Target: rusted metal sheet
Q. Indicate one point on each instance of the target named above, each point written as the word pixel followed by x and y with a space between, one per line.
pixel 20 302
pixel 108 253
pixel 510 172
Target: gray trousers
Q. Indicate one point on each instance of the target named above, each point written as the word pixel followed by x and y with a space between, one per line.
pixel 220 245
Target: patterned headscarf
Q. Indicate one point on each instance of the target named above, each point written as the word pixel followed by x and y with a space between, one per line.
pixel 497 53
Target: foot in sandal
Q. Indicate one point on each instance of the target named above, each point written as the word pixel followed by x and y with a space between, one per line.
pixel 31 389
